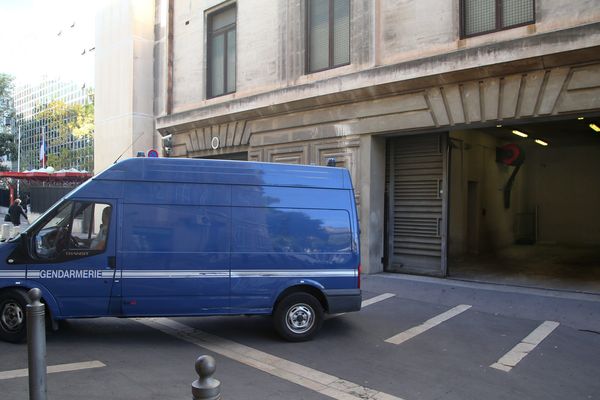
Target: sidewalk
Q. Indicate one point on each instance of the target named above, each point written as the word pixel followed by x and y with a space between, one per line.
pixel 24 222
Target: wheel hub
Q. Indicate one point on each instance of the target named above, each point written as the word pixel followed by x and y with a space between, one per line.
pixel 300 318
pixel 12 316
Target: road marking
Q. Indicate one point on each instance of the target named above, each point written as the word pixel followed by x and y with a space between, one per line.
pixel 312 379
pixel 366 303
pixel 517 353
pixel 377 299
pixel 21 373
pixel 427 325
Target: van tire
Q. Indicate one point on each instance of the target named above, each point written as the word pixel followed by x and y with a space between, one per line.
pixel 298 317
pixel 13 321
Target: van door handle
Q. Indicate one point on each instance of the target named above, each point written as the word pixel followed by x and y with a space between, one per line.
pixel 112 262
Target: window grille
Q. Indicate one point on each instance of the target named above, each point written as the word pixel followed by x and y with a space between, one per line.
pixel 485 16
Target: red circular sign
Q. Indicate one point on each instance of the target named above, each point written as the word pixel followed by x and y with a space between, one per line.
pixel 152 153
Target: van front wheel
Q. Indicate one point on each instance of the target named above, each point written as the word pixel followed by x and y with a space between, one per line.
pixel 298 317
pixel 13 304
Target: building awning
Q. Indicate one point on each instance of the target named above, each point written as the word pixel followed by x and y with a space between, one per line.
pixel 53 177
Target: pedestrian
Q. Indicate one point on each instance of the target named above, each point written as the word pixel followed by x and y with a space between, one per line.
pixel 27 204
pixel 15 211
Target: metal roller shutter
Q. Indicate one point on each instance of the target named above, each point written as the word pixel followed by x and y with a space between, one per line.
pixel 417 181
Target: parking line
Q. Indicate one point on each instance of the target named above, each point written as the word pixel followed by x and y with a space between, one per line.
pixel 427 325
pixel 312 379
pixel 377 299
pixel 21 373
pixel 366 303
pixel 517 353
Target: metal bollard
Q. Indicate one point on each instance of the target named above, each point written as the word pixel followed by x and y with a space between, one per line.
pixel 5 232
pixel 36 345
pixel 206 387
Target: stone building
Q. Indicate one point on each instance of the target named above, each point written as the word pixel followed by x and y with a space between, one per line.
pixel 417 98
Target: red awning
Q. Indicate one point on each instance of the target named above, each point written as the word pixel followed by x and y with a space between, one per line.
pixel 57 177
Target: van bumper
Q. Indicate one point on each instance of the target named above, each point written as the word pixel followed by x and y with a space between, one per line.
pixel 343 300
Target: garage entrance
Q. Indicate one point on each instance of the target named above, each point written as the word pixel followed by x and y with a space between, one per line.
pixel 533 222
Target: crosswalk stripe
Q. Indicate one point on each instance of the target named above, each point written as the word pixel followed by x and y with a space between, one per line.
pixel 20 373
pixel 427 325
pixel 517 353
pixel 323 383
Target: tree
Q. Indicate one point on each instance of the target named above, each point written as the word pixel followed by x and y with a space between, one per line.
pixel 6 101
pixel 7 113
pixel 66 124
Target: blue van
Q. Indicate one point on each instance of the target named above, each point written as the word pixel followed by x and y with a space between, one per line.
pixel 188 237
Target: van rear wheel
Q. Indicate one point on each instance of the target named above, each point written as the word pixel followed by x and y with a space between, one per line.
pixel 13 305
pixel 298 317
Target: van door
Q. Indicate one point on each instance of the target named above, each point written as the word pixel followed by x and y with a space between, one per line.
pixel 174 259
pixel 71 253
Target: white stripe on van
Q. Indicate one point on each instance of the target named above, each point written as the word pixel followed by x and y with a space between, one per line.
pixel 183 274
pixel 294 273
pixel 13 274
pixel 175 274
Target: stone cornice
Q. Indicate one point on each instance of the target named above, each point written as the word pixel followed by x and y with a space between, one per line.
pixel 570 46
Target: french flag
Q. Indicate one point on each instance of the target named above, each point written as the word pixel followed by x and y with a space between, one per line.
pixel 43 153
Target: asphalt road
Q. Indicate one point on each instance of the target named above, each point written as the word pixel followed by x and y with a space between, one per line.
pixel 448 350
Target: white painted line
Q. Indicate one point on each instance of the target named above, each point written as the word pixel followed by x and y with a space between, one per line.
pixel 517 353
pixel 377 299
pixel 366 303
pixel 312 379
pixel 427 325
pixel 21 373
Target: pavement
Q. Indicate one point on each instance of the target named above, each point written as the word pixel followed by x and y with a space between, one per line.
pixel 415 338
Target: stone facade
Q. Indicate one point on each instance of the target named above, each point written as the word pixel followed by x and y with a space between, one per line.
pixel 410 72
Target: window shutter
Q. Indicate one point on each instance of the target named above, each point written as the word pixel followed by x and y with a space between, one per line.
pixel 341 32
pixel 231 61
pixel 319 34
pixel 217 59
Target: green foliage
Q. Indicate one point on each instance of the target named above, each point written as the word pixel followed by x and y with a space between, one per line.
pixel 65 123
pixel 6 102
pixel 8 146
pixel 7 113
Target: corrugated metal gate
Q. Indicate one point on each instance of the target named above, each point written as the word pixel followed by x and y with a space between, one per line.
pixel 417 204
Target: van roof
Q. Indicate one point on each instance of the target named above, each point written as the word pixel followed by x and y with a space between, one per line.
pixel 188 170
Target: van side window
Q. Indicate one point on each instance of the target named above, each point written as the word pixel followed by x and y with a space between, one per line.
pixel 283 230
pixel 76 226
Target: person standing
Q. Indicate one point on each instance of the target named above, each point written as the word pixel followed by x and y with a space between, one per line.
pixel 15 211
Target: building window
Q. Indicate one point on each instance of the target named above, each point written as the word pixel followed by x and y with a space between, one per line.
pixel 221 52
pixel 328 34
pixel 485 16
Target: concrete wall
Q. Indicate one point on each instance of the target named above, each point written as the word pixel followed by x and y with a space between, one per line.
pixel 124 105
pixel 474 159
pixel 564 185
pixel 410 30
pixel 271 40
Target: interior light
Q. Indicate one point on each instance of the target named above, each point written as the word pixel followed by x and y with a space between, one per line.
pixel 595 127
pixel 541 142
pixel 519 133
pixel 580 118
